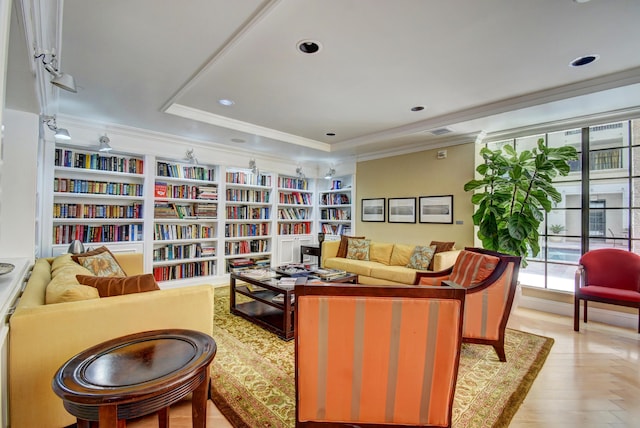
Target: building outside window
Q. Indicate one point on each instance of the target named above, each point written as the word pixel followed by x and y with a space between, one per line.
pixel 607 216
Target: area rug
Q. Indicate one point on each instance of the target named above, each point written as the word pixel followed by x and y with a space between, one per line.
pixel 253 375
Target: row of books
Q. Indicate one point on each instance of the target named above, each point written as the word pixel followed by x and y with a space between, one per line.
pixel 335 229
pixel 293 214
pixel 165 232
pixel 293 183
pixel 240 264
pixel 296 198
pixel 66 233
pixel 248 195
pixel 240 230
pixel 71 185
pixel 335 199
pixel 165 169
pixel 74 159
pixel 248 178
pixel 244 212
pixel 184 270
pixel 62 210
pixel 335 214
pixel 185 211
pixel 168 190
pixel 294 228
pixel 183 251
pixel 246 247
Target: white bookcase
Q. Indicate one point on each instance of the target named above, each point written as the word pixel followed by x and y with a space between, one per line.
pixel 296 217
pixel 248 226
pixel 97 198
pixel 335 205
pixel 185 221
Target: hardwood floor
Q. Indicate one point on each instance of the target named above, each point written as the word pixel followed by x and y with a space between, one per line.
pixel 590 379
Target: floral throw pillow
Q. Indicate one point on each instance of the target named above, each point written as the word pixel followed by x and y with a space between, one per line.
pixel 103 264
pixel 358 249
pixel 421 257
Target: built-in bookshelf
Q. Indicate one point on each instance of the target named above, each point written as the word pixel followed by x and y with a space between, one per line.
pixel 335 203
pixel 98 198
pixel 248 223
pixel 185 217
pixel 295 206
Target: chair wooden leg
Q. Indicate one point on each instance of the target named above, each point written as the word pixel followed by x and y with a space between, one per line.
pixel 500 351
pixel 585 311
pixel 638 320
pixel 576 314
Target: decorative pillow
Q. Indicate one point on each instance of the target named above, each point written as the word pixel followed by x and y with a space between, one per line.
pixel 380 252
pixel 401 254
pixel 441 247
pixel 344 244
pixel 100 262
pixel 358 249
pixel 421 257
pixel 61 262
pixel 65 288
pixel 472 268
pixel 117 286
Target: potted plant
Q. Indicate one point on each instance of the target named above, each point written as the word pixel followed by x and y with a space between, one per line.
pixel 514 192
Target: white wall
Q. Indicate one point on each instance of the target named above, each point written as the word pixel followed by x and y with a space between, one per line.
pixel 18 184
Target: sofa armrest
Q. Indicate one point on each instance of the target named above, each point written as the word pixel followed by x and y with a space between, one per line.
pixel 329 249
pixel 44 337
pixel 444 260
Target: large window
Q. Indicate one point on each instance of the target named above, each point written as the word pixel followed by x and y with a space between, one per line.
pixel 600 204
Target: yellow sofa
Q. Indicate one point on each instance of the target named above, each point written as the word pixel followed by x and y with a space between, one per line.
pixel 42 337
pixel 386 265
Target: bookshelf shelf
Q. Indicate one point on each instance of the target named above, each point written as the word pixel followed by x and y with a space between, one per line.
pixel 335 204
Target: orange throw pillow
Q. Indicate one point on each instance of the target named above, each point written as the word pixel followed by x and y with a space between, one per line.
pixel 117 286
pixel 472 268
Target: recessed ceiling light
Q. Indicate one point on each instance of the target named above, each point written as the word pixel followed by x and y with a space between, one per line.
pixel 225 102
pixel 238 140
pixel 309 46
pixel 417 108
pixel 584 60
pixel 330 134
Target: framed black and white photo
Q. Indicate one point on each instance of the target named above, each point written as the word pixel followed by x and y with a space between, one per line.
pixel 436 209
pixel 373 209
pixel 402 210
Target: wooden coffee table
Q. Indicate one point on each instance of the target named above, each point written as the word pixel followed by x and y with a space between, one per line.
pixel 136 375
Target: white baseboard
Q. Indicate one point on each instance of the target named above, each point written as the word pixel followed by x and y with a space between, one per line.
pixel 620 319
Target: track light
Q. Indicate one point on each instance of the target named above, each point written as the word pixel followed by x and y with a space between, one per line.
pixel 61 80
pixel 299 172
pixel 190 157
pixel 329 175
pixel 60 133
pixel 253 166
pixel 104 144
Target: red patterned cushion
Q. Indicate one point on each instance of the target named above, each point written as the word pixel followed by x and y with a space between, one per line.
pixel 117 286
pixel 472 268
pixel 611 293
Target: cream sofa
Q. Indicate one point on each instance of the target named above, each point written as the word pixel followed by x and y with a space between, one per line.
pixel 42 337
pixel 386 265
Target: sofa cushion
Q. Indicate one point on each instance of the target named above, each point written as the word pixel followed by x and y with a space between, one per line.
pixel 358 267
pixel 401 254
pixel 401 274
pixel 64 287
pixel 117 286
pixel 100 262
pixel 440 248
pixel 421 257
pixel 380 252
pixel 344 245
pixel 358 249
pixel 472 268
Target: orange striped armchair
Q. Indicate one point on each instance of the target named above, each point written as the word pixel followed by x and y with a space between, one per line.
pixel 490 279
pixel 369 355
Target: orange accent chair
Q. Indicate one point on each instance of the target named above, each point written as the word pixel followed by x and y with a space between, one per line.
pixel 369 355
pixel 607 275
pixel 490 279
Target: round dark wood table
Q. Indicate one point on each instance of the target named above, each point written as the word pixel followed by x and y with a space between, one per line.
pixel 136 375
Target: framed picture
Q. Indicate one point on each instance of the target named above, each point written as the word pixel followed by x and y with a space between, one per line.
pixel 436 209
pixel 402 210
pixel 373 209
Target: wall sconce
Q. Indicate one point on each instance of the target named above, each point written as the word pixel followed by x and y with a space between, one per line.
pixel 299 172
pixel 329 175
pixel 104 144
pixel 60 133
pixel 190 157
pixel 253 166
pixel 61 80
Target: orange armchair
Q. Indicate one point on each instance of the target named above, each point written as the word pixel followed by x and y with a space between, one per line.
pixel 490 279
pixel 607 275
pixel 373 355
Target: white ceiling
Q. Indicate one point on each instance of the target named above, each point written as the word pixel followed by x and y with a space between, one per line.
pixel 476 66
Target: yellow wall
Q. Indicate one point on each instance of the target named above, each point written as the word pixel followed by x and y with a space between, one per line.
pixel 415 175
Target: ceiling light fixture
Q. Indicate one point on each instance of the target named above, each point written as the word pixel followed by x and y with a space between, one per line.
pixel 61 80
pixel 60 133
pixel 330 173
pixel 190 157
pixel 104 144
pixel 417 108
pixel 253 166
pixel 309 46
pixel 226 102
pixel 330 134
pixel 584 60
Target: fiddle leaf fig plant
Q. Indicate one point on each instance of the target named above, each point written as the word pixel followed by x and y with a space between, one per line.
pixel 514 192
